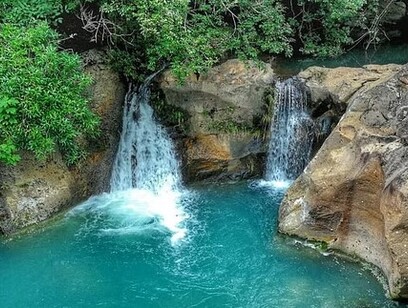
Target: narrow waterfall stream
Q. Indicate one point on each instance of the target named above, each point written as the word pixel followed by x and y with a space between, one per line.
pixel 291 133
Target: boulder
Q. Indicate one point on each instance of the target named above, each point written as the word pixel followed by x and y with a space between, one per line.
pixel 232 91
pixel 221 157
pixel 33 191
pixel 341 83
pixel 354 193
pixel 224 107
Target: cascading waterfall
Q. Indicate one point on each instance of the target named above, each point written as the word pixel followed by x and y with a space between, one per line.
pixel 291 133
pixel 146 158
pixel 146 190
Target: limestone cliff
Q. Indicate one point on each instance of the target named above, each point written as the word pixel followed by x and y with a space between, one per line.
pixel 354 193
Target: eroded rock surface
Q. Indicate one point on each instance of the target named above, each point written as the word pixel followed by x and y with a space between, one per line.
pixel 354 193
pixel 107 93
pixel 223 157
pixel 342 82
pixel 224 107
pixel 33 191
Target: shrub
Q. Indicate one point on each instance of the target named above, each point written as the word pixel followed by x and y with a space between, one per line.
pixel 325 27
pixel 26 12
pixel 42 104
pixel 192 36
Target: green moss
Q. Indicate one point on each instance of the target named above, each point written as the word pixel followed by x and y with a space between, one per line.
pixel 230 126
pixel 262 124
pixel 322 246
pixel 169 115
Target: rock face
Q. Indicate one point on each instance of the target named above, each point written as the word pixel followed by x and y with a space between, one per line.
pixel 224 108
pixel 341 83
pixel 34 191
pixel 107 93
pixel 354 193
pixel 222 157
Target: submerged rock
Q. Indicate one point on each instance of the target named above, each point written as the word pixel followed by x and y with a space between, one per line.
pixel 34 191
pixel 224 108
pixel 354 193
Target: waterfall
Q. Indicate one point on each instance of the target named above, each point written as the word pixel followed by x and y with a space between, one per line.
pixel 291 132
pixel 146 158
pixel 146 189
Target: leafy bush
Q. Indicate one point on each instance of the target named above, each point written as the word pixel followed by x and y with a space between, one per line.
pixel 325 27
pixel 42 104
pixel 193 36
pixel 25 12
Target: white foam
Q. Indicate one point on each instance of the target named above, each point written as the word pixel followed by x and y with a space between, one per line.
pixel 280 185
pixel 146 174
pixel 138 211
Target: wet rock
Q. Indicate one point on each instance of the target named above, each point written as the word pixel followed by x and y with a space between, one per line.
pixel 354 193
pixel 222 157
pixel 33 191
pixel 107 93
pixel 224 107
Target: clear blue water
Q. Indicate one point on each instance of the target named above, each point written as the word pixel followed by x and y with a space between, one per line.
pixel 384 54
pixel 231 256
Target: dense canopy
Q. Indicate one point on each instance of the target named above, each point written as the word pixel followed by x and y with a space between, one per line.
pixel 42 102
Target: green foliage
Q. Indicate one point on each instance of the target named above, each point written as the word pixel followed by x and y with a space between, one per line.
pixel 230 126
pixel 8 110
pixel 325 27
pixel 193 36
pixel 131 63
pixel 260 27
pixel 267 110
pixel 26 12
pixel 42 104
pixel 228 122
pixel 169 115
